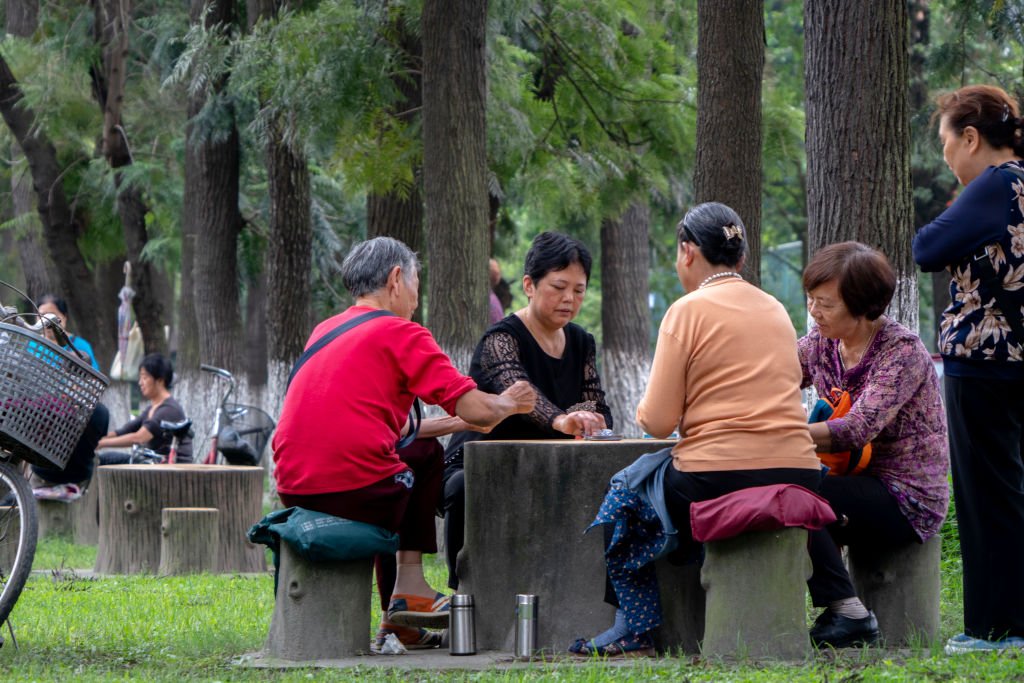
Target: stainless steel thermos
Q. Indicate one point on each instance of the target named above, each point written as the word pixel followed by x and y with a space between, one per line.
pixel 526 625
pixel 462 637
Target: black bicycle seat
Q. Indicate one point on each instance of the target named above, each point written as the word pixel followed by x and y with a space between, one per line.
pixel 179 429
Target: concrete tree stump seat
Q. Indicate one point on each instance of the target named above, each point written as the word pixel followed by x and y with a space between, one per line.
pixel 86 519
pixel 527 505
pixel 321 610
pixel 756 587
pixel 902 586
pixel 56 518
pixel 682 608
pixel 133 496
pixel 189 538
pixel 77 520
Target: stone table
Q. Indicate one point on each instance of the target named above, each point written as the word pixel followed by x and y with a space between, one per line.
pixel 132 497
pixel 527 505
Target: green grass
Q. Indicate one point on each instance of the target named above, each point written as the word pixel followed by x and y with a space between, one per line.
pixel 192 629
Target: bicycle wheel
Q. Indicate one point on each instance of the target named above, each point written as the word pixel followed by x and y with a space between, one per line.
pixel 18 529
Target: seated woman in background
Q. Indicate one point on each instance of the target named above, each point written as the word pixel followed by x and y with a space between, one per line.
pixel 541 345
pixel 70 482
pixel 726 375
pixel 156 376
pixel 54 305
pixel 903 494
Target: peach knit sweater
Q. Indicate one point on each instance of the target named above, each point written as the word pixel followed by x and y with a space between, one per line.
pixel 726 374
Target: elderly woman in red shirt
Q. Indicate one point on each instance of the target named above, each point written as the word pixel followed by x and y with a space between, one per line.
pixel 345 410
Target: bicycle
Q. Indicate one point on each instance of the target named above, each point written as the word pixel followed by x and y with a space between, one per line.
pixel 239 433
pixel 141 455
pixel 47 395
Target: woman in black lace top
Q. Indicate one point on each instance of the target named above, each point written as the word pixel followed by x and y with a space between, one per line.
pixel 540 344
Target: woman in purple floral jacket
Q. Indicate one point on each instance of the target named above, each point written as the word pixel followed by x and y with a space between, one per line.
pixel 903 495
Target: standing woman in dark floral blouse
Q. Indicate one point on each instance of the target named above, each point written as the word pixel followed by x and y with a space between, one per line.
pixel 982 137
pixel 539 344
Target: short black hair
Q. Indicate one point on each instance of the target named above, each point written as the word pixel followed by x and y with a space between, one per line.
pixel 159 367
pixel 61 305
pixel 554 251
pixel 717 231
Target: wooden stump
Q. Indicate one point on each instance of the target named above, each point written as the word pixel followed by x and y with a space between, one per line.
pixel 132 497
pixel 189 538
pixel 56 518
pixel 322 609
pixel 86 518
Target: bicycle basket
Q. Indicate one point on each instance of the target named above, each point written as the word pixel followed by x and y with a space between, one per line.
pixel 241 441
pixel 46 397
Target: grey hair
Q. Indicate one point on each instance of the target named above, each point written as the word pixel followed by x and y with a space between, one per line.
pixel 365 269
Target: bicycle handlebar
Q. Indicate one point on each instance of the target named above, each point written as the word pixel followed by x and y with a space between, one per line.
pixel 217 371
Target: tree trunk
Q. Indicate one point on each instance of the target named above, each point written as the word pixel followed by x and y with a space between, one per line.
pixel 214 221
pixel 40 275
pixel 396 213
pixel 21 17
pixel 289 252
pixel 393 215
pixel 108 80
pixel 60 226
pixel 132 497
pixel 147 304
pixel 625 316
pixel 256 316
pixel 730 67
pixel 858 134
pixel 455 171
pixel 927 205
pixel 188 541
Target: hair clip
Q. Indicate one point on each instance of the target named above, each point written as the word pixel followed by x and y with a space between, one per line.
pixel 1006 113
pixel 732 231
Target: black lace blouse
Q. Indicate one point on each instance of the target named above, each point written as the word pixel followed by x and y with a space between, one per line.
pixel 508 353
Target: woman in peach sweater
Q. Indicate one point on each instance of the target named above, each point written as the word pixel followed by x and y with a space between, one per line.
pixel 726 375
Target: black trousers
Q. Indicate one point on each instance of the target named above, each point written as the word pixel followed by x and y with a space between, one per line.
pixel 393 506
pixel 986 436
pixel 453 504
pixel 684 488
pixel 867 515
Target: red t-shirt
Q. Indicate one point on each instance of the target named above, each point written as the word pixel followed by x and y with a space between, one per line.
pixel 345 409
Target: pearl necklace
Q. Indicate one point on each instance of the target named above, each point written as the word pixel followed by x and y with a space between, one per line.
pixel 711 278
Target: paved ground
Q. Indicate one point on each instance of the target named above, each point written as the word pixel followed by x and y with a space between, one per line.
pixel 440 660
pixel 432 660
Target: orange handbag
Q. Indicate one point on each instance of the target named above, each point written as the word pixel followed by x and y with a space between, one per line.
pixel 836 405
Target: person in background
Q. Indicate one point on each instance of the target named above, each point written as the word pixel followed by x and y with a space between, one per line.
pixel 156 376
pixel 69 483
pixel 903 494
pixel 980 240
pixel 497 310
pixel 54 305
pixel 541 345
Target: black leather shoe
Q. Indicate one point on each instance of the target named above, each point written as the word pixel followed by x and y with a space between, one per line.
pixel 823 620
pixel 840 631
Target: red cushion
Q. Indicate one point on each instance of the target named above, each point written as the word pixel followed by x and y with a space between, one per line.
pixel 761 508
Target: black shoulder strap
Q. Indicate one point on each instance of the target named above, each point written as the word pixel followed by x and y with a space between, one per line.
pixel 331 336
pixel 987 273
